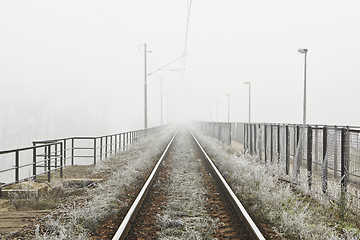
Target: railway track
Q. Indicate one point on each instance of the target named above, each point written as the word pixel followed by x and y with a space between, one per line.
pixel 185 197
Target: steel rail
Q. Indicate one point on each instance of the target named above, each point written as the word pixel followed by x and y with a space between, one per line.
pixel 130 216
pixel 250 225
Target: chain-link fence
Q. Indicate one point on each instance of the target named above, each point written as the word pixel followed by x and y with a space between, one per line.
pixel 325 159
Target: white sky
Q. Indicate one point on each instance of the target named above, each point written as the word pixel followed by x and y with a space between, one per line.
pixel 66 69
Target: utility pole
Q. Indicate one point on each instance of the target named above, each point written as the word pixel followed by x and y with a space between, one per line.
pixel 145 86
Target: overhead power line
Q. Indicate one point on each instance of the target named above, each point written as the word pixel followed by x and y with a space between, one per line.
pixel 114 23
pixel 187 24
pixel 161 68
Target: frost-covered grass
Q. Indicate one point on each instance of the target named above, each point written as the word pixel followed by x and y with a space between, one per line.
pixel 185 215
pixel 293 215
pixel 81 218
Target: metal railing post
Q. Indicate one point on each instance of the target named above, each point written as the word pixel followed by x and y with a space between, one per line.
pixel 115 136
pixel 251 141
pixel 316 147
pixel 72 151
pixel 45 155
pixel 297 140
pixel 345 159
pixel 265 142
pixel 335 152
pixel 94 151
pixel 324 168
pixel 278 143
pixel 49 162
pixel 287 150
pixel 271 143
pixel 106 146
pixel 64 153
pixel 255 138
pixel 34 163
pixel 17 166
pixel 245 137
pixel 55 155
pixel 309 155
pixel 101 148
pixel 111 145
pixel 61 159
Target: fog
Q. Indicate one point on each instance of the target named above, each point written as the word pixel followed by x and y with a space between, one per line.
pixel 75 68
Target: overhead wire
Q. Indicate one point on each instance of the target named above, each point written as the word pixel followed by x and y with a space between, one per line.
pixel 164 66
pixel 184 63
pixel 115 24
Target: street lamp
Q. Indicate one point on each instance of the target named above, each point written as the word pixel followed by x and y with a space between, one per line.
pixel 304 50
pixel 248 83
pixel 228 95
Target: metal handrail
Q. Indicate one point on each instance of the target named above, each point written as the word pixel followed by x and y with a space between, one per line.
pixel 57 152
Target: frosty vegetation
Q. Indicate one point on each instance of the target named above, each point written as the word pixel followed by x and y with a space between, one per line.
pixel 258 185
pixel 185 215
pixel 79 219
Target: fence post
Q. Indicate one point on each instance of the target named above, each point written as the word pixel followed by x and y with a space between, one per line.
pixel 116 141
pixel 101 148
pixel 335 152
pixel 297 142
pixel 345 159
pixel 287 150
pixel 316 147
pixel 229 135
pixel 94 151
pixel 251 141
pixel 278 143
pixel 49 162
pixel 106 146
pixel 309 155
pixel 34 162
pixel 324 168
pixel 72 151
pixel 111 144
pixel 255 138
pixel 64 152
pixel 55 155
pixel 265 141
pixel 245 138
pixel 45 155
pixel 17 166
pixel 271 142
pixel 61 159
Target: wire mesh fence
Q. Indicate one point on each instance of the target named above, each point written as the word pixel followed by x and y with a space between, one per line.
pixel 324 159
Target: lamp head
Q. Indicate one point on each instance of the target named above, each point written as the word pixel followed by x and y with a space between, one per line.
pixel 302 50
pixel 247 82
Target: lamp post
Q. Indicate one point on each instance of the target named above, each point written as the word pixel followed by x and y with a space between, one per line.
pixel 304 51
pixel 228 95
pixel 302 145
pixel 248 83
